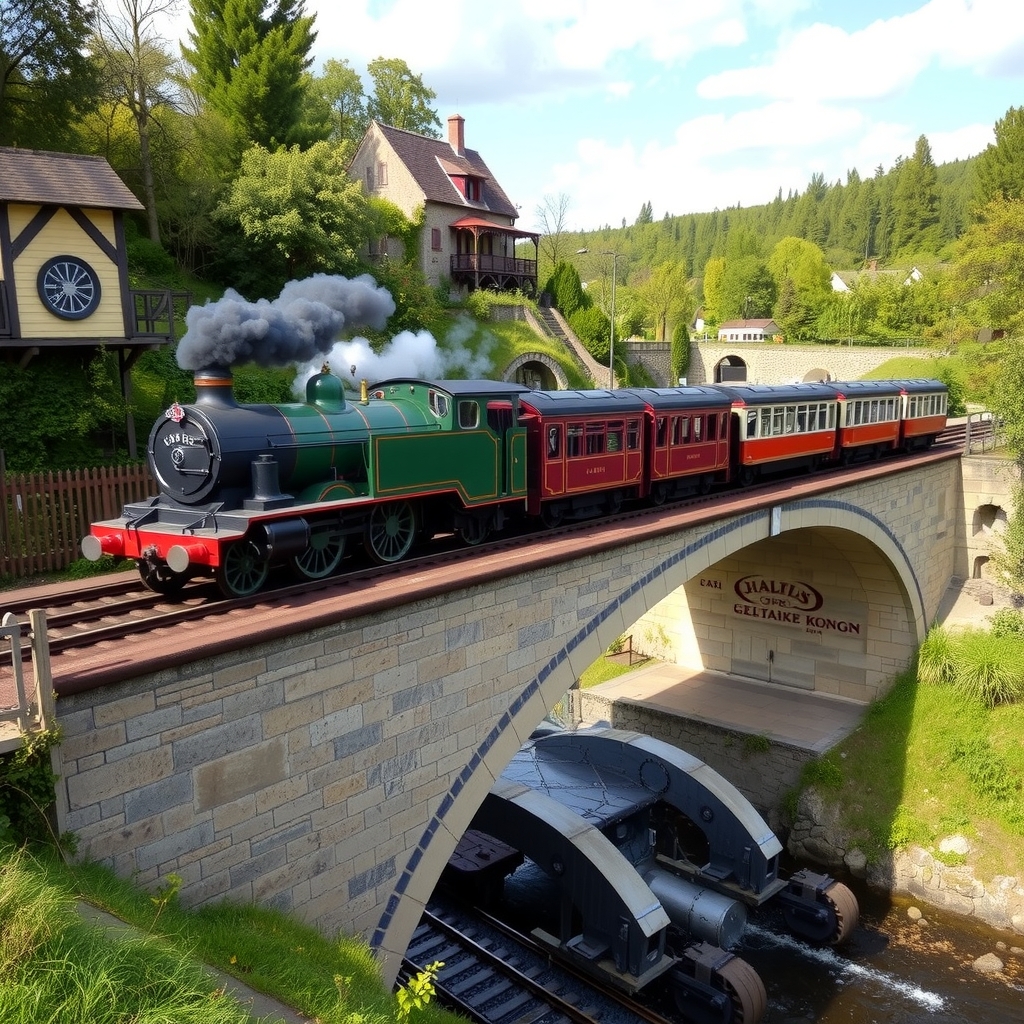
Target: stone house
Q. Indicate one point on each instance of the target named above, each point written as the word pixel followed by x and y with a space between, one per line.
pixel 468 238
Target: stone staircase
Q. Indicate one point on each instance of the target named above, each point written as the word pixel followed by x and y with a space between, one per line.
pixel 553 324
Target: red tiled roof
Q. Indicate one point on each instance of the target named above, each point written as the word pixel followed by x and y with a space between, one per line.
pixel 432 161
pixel 34 176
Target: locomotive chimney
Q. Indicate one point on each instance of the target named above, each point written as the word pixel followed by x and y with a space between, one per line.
pixel 214 387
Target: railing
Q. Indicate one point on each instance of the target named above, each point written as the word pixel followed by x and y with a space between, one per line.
pixel 984 433
pixel 13 703
pixel 24 709
pixel 154 311
pixel 43 516
pixel 482 262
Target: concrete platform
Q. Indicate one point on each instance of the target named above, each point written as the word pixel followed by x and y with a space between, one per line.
pixel 799 718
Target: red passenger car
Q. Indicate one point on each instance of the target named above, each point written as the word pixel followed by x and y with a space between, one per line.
pixel 584 451
pixel 686 440
pixel 781 427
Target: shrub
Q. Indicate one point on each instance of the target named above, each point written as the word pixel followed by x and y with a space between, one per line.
pixel 1007 622
pixel 566 290
pixel 592 328
pixel 936 660
pixel 989 668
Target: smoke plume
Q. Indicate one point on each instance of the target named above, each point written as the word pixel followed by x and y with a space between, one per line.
pixel 302 323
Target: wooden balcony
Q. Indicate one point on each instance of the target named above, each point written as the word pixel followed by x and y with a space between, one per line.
pixel 502 273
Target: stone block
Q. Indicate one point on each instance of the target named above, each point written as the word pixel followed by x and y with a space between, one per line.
pixel 243 772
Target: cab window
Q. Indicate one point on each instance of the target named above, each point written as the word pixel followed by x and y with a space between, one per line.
pixel 469 415
pixel 438 404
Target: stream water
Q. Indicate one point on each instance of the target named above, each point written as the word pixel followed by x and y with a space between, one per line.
pixel 892 971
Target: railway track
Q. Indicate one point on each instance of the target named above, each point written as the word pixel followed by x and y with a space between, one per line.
pixel 493 975
pixel 113 608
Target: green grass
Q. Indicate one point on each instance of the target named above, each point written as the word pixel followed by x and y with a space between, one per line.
pixel 605 669
pixel 930 761
pixel 56 967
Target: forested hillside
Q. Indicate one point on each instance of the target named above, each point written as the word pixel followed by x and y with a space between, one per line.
pixel 239 152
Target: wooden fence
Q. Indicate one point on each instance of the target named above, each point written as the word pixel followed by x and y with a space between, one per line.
pixel 43 516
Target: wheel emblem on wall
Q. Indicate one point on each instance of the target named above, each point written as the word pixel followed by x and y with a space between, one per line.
pixel 68 287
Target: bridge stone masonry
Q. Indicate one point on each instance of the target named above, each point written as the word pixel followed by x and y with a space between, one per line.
pixel 324 756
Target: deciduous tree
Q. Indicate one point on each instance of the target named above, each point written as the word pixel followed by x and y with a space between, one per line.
pixel 400 98
pixel 136 72
pixel 298 210
pixel 46 78
pixel 802 280
pixel 341 90
pixel 553 217
pixel 990 266
pixel 667 296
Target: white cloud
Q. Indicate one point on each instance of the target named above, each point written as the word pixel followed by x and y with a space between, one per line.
pixel 884 57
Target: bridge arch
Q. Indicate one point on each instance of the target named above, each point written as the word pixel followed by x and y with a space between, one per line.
pixel 330 766
pixel 536 370
pixel 572 651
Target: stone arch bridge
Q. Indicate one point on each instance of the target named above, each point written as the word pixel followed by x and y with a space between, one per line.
pixel 326 756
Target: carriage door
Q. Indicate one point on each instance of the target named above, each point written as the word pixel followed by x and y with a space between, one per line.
pixel 511 447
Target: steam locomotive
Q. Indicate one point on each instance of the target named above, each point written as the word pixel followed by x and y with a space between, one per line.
pixel 246 487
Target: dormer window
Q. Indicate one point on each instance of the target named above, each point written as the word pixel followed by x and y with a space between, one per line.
pixel 471 188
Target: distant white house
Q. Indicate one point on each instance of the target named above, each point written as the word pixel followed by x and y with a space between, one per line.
pixel 872 273
pixel 748 330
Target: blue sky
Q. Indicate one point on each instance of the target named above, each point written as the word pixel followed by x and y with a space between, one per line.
pixel 692 104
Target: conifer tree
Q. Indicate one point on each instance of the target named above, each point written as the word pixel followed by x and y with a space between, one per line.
pixel 249 60
pixel 916 202
pixel 1000 168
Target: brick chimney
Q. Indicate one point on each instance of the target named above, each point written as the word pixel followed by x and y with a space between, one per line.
pixel 457 133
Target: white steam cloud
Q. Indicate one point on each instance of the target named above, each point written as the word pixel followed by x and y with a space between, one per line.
pixel 408 354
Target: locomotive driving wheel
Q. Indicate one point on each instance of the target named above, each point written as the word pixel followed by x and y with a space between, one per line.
pixel 390 532
pixel 745 989
pixel 241 571
pixel 323 554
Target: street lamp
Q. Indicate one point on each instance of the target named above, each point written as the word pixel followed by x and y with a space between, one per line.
pixel 611 330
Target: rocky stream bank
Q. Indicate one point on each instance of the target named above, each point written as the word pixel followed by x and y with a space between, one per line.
pixel 817 836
